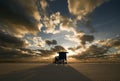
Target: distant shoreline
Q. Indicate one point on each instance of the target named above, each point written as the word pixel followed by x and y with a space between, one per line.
pixel 68 62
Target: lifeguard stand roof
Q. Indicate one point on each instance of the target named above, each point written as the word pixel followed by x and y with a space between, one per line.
pixel 62 52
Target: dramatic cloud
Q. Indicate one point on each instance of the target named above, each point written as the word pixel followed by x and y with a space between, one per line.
pixel 38 41
pixel 68 24
pixel 108 48
pixel 7 40
pixel 93 52
pixel 75 48
pixel 27 25
pixel 19 17
pixel 82 9
pixel 75 37
pixel 58 48
pixel 12 47
pixel 52 51
pixel 86 38
pixel 44 4
pixel 80 37
pixel 111 43
pixel 72 49
pixel 57 23
pixel 51 42
pixel 9 53
pixel 46 52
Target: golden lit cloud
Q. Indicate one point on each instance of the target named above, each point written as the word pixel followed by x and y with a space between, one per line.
pixel 19 17
pixel 31 28
pixel 38 41
pixel 80 8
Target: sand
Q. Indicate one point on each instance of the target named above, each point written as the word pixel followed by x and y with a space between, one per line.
pixel 52 72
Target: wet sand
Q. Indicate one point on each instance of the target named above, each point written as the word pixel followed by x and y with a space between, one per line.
pixel 52 72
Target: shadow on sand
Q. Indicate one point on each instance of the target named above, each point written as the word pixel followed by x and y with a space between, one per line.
pixel 49 72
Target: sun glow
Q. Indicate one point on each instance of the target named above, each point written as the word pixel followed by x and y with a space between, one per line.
pixel 71 53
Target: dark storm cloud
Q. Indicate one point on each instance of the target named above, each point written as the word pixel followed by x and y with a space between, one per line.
pixel 51 42
pixel 86 38
pixel 7 40
pixel 18 16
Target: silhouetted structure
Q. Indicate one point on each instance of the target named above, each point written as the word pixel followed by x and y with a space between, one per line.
pixel 61 59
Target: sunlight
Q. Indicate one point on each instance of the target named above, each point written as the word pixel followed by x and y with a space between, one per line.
pixel 71 53
pixel 70 59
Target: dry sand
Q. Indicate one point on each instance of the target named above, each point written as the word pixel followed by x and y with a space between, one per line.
pixel 52 72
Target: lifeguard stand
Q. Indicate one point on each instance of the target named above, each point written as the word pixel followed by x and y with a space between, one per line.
pixel 61 59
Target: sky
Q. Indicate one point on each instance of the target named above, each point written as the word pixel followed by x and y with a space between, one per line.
pixel 40 28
